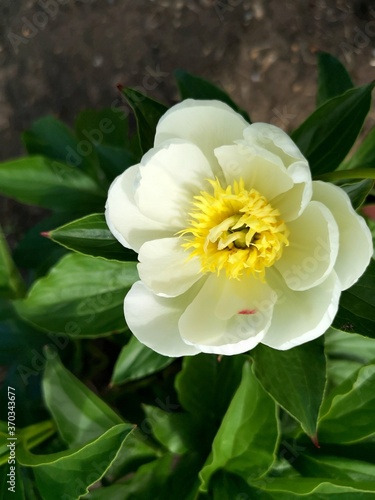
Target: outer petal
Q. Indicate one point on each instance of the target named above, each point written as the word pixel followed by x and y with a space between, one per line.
pixel 123 217
pixel 208 124
pixel 274 140
pixel 228 316
pixel 154 320
pixel 256 167
pixel 356 247
pixel 165 268
pixel 170 176
pixel 292 203
pixel 299 317
pixel 313 248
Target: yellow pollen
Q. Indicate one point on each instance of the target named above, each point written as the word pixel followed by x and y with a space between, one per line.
pixel 235 230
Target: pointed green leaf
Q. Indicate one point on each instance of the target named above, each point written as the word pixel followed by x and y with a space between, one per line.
pixel 47 183
pixel 327 135
pixel 308 488
pixel 206 384
pixel 364 157
pixel 71 472
pixel 176 431
pixel 147 112
pixel 81 296
pixel 358 191
pixel 90 235
pixel 335 468
pixel 107 131
pixel 356 313
pixel 333 79
pixel 137 361
pixel 248 436
pixel 11 284
pixel 191 86
pixel 69 400
pixel 295 379
pixel 52 138
pixel 347 414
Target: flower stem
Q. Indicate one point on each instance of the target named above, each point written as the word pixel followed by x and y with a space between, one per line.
pixel 355 173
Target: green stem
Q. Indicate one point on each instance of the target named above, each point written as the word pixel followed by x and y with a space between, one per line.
pixel 355 173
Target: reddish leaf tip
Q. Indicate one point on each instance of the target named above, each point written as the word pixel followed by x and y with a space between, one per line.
pixel 120 86
pixel 315 441
pixel 46 234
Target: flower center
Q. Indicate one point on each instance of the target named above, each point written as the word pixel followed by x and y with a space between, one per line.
pixel 235 230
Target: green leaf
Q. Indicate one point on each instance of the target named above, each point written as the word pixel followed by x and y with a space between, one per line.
pixel 333 79
pixel 356 313
pixel 69 400
pixel 191 86
pixel 16 490
pixel 248 436
pixel 107 131
pixel 35 251
pixel 335 468
pixel 90 235
pixel 295 379
pixel 206 385
pixel 137 361
pixel 81 296
pixel 313 489
pixel 227 486
pixel 327 135
pixel 72 472
pixel 176 431
pixel 364 157
pixel 52 138
pixel 358 191
pixel 47 183
pixel 11 284
pixel 347 415
pixel 148 113
pixel 346 353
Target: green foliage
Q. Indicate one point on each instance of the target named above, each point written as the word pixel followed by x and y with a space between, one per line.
pixel 98 414
pixel 194 87
pixel 333 79
pixel 295 379
pixel 90 235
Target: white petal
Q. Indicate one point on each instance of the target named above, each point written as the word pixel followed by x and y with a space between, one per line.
pixel 293 202
pixel 170 176
pixel 313 248
pixel 126 222
pixel 356 247
pixel 165 268
pixel 154 320
pixel 299 317
pixel 274 140
pixel 208 124
pixel 228 316
pixel 256 167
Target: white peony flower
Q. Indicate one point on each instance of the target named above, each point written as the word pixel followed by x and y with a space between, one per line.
pixel 237 245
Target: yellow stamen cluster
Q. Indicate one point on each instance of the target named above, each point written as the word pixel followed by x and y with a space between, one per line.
pixel 235 230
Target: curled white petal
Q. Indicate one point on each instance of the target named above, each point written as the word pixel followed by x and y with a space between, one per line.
pixel 154 320
pixel 356 247
pixel 170 176
pixel 165 267
pixel 228 316
pixel 208 124
pixel 300 317
pixel 129 226
pixel 313 248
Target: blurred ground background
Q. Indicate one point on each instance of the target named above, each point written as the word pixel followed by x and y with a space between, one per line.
pixel 60 56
